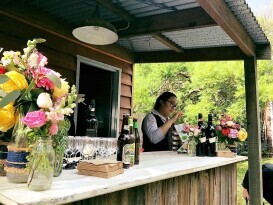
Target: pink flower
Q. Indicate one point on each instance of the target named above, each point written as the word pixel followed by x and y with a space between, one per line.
pixel 34 119
pixel 53 129
pixel 40 77
pixel 42 60
pixel 233 133
pixel 236 126
pixel 218 127
pixel 46 83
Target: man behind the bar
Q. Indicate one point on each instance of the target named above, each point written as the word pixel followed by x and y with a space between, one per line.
pixel 267 172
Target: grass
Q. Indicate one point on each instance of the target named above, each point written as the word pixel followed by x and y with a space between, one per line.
pixel 241 169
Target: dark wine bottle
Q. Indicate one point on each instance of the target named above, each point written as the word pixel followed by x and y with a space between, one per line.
pixel 123 153
pixel 91 129
pixel 132 142
pixel 137 141
pixel 201 146
pixel 211 138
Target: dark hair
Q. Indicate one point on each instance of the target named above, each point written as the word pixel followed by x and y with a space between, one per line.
pixel 163 98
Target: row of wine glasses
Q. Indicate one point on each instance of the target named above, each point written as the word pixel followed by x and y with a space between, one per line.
pixel 82 147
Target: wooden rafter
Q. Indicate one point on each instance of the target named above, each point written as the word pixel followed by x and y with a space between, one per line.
pixel 178 20
pixel 131 19
pixel 201 54
pixel 224 17
pixel 167 42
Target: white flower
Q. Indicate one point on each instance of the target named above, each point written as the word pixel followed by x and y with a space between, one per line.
pixel 229 123
pixel 67 111
pixel 44 100
pixel 33 60
pixel 73 105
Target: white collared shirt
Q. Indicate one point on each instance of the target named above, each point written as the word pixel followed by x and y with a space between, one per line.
pixel 149 126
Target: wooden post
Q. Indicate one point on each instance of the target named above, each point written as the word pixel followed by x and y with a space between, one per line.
pixel 254 131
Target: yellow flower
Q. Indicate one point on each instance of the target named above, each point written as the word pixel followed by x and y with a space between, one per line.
pixel 57 93
pixel 16 81
pixel 7 118
pixel 242 135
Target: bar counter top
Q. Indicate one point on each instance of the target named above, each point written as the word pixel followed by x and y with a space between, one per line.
pixel 70 186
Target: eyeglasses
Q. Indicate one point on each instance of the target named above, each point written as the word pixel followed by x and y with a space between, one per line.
pixel 174 106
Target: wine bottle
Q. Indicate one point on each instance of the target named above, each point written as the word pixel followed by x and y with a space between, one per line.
pixel 211 138
pixel 201 146
pixel 132 142
pixel 124 142
pixel 137 141
pixel 91 121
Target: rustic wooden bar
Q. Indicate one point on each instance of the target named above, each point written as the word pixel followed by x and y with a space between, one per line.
pixel 160 178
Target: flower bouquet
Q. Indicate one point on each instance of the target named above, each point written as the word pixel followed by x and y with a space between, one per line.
pixel 229 132
pixel 188 135
pixel 35 101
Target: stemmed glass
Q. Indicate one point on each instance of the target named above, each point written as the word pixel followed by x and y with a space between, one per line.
pixel 69 150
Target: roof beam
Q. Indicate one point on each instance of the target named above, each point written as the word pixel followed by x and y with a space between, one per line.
pixel 183 19
pixel 167 42
pixel 201 54
pixel 223 16
pixel 130 18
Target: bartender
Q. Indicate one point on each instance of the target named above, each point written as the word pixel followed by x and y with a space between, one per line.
pixel 156 126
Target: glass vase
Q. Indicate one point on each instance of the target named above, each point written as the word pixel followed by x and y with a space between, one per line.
pixel 58 163
pixel 192 148
pixel 233 147
pixel 18 151
pixel 3 157
pixel 41 165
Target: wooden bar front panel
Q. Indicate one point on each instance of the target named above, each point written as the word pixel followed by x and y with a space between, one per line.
pixel 217 186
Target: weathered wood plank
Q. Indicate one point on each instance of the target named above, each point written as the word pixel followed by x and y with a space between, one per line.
pixel 125 102
pixel 253 126
pixel 126 79
pixel 126 90
pixel 215 186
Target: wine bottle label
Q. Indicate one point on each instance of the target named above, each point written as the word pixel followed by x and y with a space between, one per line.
pixel 126 127
pixel 212 140
pixel 203 139
pixel 132 154
pixel 128 149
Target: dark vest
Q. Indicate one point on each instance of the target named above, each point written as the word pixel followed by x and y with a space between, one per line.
pixel 163 145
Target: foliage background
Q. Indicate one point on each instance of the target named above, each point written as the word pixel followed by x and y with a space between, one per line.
pixel 206 87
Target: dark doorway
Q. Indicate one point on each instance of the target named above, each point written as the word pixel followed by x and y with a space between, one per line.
pixel 101 85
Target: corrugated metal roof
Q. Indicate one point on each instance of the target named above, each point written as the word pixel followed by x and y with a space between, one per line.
pixel 244 14
pixel 203 37
pixel 74 12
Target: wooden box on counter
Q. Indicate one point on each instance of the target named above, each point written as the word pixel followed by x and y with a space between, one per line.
pixel 100 168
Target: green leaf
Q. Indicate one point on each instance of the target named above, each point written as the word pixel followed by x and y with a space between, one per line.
pixel 27 91
pixel 55 80
pixel 12 96
pixel 36 92
pixel 3 78
pixel 33 107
